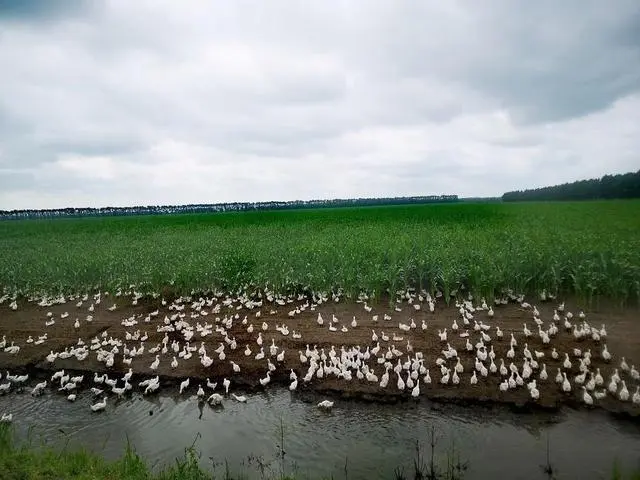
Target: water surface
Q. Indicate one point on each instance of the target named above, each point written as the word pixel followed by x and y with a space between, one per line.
pixel 369 440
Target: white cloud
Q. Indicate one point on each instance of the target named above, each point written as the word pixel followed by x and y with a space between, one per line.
pixel 192 102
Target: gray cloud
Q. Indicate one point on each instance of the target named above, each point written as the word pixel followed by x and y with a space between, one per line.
pixel 38 11
pixel 171 102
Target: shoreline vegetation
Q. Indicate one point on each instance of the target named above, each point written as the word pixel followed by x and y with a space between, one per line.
pixel 24 459
pixel 587 249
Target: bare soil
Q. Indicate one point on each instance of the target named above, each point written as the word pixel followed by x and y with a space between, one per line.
pixel 623 339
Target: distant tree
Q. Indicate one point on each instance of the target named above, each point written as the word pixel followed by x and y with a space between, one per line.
pixel 222 207
pixel 608 187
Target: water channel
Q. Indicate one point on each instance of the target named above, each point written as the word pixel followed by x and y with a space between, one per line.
pixel 370 440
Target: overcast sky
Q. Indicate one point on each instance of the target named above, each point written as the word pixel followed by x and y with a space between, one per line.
pixel 171 102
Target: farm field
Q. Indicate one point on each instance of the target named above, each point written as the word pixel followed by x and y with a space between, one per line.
pixel 586 249
pixel 553 251
pixel 532 306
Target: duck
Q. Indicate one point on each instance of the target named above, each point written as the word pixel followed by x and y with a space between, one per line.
pixel 400 383
pixel 623 365
pixel 184 385
pixel 600 394
pixel 503 368
pixel 636 396
pixel 493 368
pixel 586 398
pixel 416 390
pixel 533 391
pixel 616 376
pixel 543 373
pixel 326 405
pixel 624 393
pixel 96 407
pixel 38 389
pixel 155 363
pixel 239 398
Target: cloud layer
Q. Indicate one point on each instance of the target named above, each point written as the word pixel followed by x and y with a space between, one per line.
pixel 163 102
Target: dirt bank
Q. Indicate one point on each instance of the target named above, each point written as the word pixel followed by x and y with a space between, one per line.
pixel 623 339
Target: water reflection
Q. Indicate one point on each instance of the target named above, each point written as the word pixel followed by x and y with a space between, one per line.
pixel 371 440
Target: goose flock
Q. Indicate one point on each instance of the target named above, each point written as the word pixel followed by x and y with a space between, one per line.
pixel 223 336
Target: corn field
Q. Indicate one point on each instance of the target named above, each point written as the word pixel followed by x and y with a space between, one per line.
pixel 588 249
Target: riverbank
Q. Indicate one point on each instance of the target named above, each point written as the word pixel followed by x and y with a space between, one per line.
pixel 290 325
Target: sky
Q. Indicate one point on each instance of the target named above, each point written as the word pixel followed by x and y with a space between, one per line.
pixel 120 103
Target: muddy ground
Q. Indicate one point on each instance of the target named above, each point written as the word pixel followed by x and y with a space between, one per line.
pixel 623 339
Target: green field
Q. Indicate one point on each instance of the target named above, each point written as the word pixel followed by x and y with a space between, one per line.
pixel 584 248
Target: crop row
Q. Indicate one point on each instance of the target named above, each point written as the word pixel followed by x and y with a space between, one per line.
pixel 589 249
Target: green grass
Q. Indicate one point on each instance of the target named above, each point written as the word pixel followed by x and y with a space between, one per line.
pixel 584 248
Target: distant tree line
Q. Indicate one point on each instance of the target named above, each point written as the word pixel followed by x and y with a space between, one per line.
pixel 608 187
pixel 223 207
